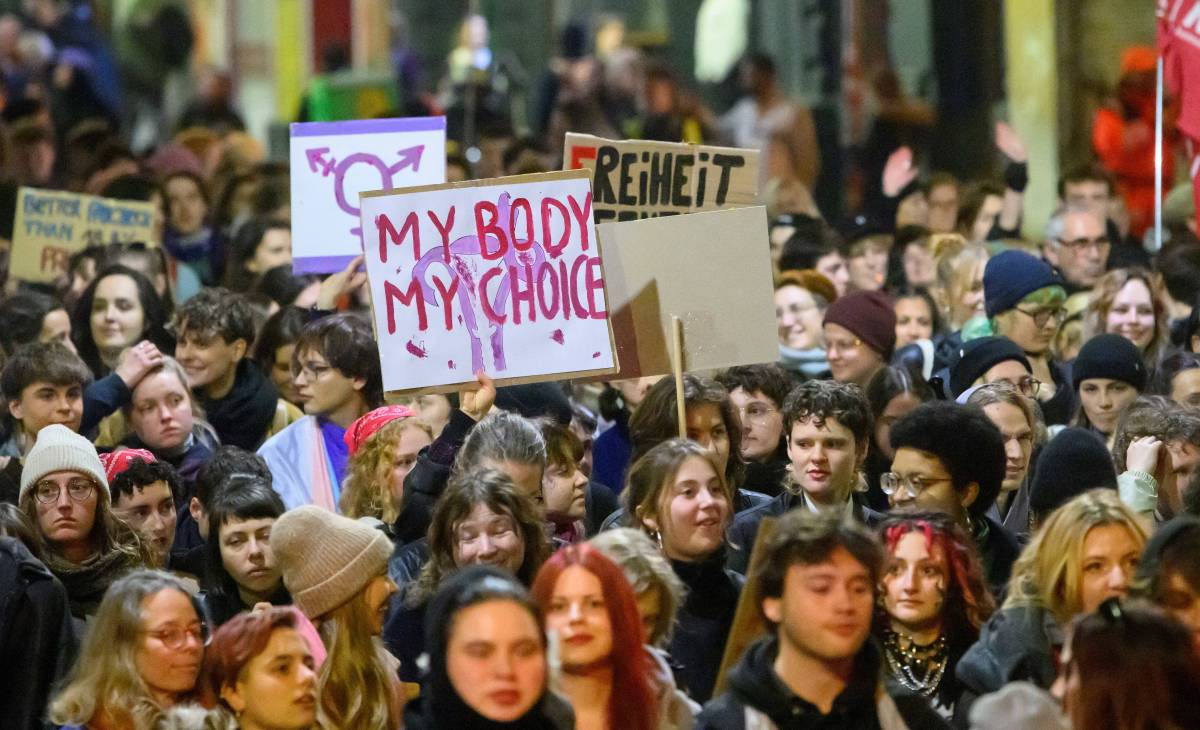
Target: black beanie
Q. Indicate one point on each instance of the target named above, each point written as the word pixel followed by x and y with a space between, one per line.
pixel 1075 461
pixel 976 357
pixel 1110 356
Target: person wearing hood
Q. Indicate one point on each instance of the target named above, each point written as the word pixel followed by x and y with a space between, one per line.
pixel 487 665
pixel 1084 554
pixel 816 668
pixel 1023 299
pixel 215 330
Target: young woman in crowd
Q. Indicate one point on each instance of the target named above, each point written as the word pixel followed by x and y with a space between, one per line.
pixel 117 310
pixel 1024 301
pixel 1109 374
pixel 1128 665
pixel 1178 377
pixel 163 417
pixel 482 518
pixel 1019 422
pixel 934 601
pixel 575 506
pixel 487 659
pixel 712 422
pixel 1085 553
pixel 1130 303
pixel 33 316
pixel 893 393
pixel 259 668
pixel 917 316
pixel 274 347
pixel 606 671
pixel 656 587
pixel 140 656
pixel 259 245
pixel 960 280
pixel 336 570
pixel 189 237
pixel 64 492
pixel 240 569
pixel 677 494
pixel 383 447
pixel 800 301
pixel 758 393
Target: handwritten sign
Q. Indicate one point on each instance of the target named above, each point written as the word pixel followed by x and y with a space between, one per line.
pixel 51 225
pixel 635 179
pixel 711 269
pixel 499 275
pixel 333 162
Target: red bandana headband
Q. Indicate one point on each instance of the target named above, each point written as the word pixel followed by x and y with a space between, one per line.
pixel 368 425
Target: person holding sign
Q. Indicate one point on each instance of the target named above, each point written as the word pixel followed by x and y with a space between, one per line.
pixel 337 371
pixel 828 429
pixel 816 668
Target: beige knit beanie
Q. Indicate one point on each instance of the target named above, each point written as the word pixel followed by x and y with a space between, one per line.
pixel 326 559
pixel 58 448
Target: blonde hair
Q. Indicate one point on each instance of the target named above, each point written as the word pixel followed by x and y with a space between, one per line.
pixel 651 476
pixel 105 685
pixel 1048 574
pixel 354 684
pixel 1095 318
pixel 646 569
pixel 957 262
pixel 367 489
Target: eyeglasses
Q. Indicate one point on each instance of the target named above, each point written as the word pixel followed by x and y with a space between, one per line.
pixel 313 370
pixel 893 484
pixel 756 413
pixel 1027 386
pixel 174 637
pixel 1079 245
pixel 79 490
pixel 1042 316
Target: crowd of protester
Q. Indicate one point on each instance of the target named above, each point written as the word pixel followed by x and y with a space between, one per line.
pixel 966 495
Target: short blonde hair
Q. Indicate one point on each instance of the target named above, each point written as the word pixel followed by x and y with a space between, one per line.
pixel 1048 573
pixel 957 262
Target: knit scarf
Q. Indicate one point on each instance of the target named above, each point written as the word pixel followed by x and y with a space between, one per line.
pixel 87 581
pixel 244 415
pixel 810 363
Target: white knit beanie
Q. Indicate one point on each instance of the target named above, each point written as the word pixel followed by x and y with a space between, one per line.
pixel 326 559
pixel 58 448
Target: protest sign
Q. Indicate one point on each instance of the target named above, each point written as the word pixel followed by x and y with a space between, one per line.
pixel 634 179
pixel 333 162
pixel 712 270
pixel 51 225
pixel 500 275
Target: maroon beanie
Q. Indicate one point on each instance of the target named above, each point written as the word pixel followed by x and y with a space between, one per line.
pixel 870 316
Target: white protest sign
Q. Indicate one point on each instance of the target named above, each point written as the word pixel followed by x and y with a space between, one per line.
pixel 333 162
pixel 500 275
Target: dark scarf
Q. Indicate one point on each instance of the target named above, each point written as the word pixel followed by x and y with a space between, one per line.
pixel 244 415
pixel 87 582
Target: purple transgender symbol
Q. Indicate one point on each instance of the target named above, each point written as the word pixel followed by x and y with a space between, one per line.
pixel 409 157
pixel 467 262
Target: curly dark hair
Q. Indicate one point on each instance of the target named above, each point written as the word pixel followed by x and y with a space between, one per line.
pixel 216 312
pixel 768 379
pixel 818 400
pixel 966 442
pixel 656 420
pixel 141 474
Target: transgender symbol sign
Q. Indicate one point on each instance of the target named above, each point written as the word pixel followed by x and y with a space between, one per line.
pixel 332 163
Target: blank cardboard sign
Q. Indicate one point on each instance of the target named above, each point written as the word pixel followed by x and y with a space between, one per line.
pixel 712 270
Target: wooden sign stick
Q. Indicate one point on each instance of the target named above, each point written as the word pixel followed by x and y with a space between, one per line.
pixel 677 370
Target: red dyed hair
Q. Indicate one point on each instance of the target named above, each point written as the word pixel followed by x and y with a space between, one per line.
pixel 967 594
pixel 239 640
pixel 633 688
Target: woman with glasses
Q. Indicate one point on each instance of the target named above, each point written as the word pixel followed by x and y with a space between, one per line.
pixel 1109 374
pixel 933 601
pixel 141 656
pixel 1130 303
pixel 801 298
pixel 1084 554
pixel 481 519
pixel 1024 301
pixel 64 492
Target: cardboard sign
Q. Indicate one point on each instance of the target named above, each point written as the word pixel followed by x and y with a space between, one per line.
pixel 51 225
pixel 635 179
pixel 498 275
pixel 333 162
pixel 712 270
